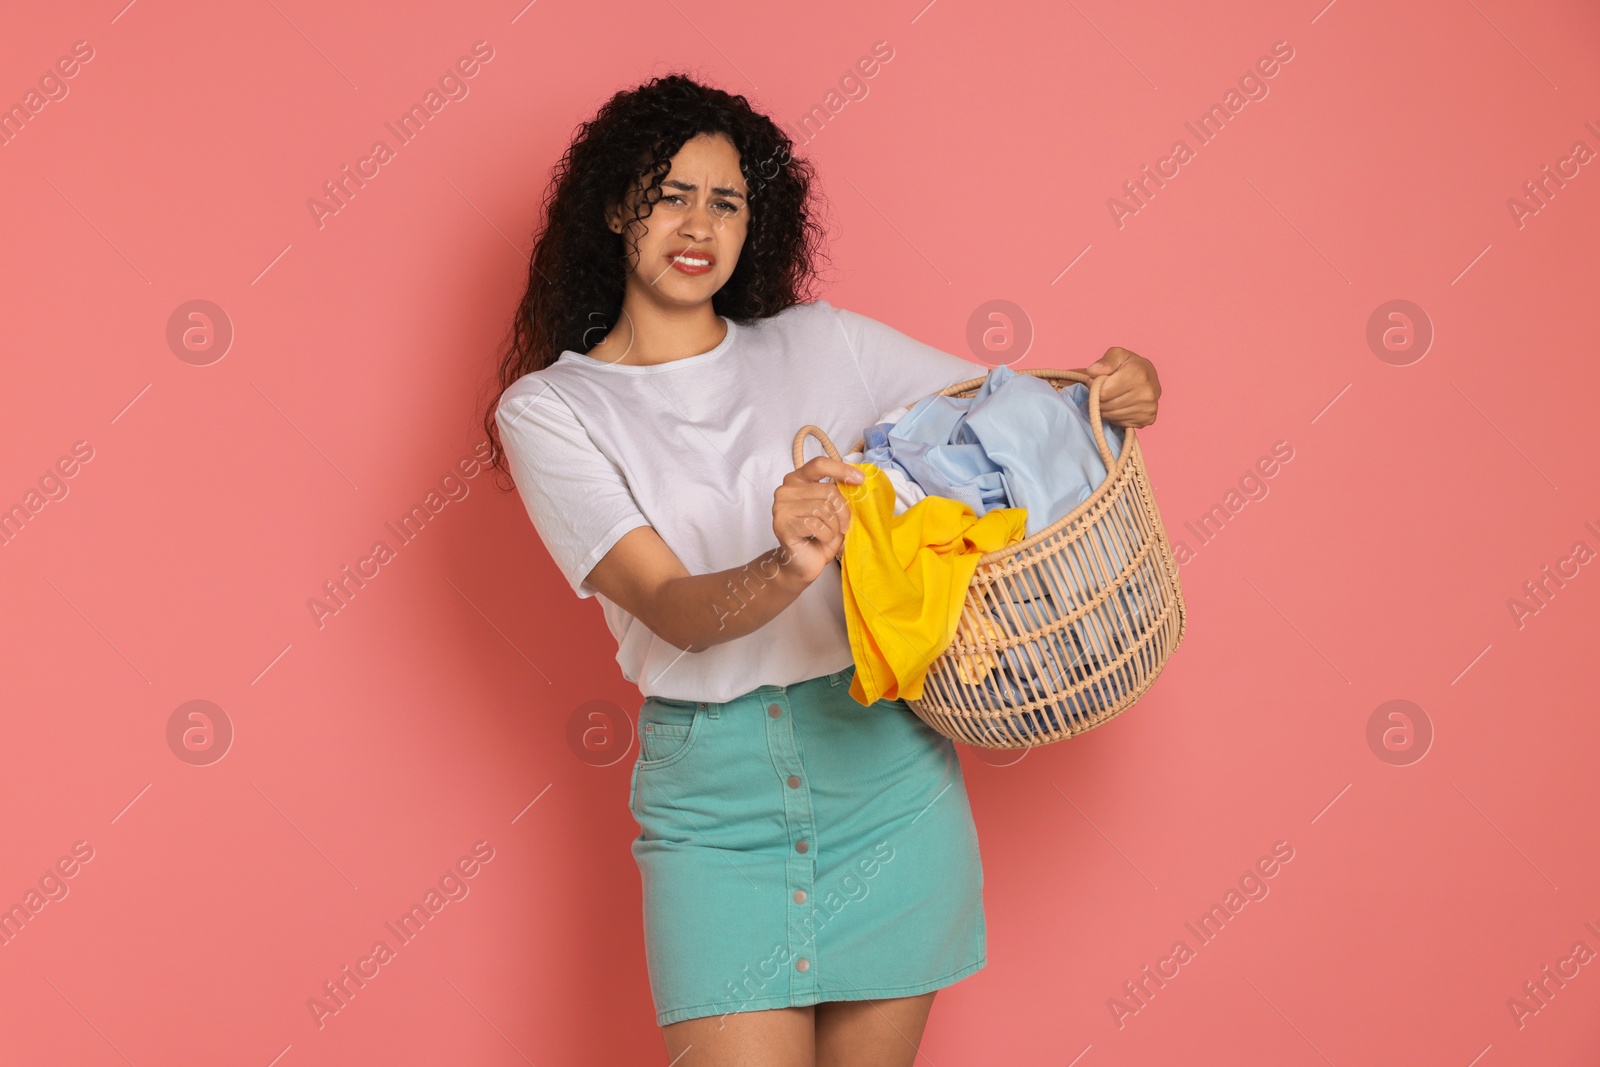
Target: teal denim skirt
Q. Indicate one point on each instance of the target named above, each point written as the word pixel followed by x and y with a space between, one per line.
pixel 797 847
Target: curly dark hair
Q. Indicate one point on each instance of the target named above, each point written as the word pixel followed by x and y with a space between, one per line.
pixel 579 265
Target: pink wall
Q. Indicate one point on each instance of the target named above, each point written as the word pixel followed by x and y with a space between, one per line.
pixel 373 750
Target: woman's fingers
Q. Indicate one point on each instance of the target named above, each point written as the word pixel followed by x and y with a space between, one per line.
pixel 805 506
pixel 819 503
pixel 1126 409
pixel 824 467
pixel 818 508
pixel 1131 390
pixel 802 524
pixel 809 514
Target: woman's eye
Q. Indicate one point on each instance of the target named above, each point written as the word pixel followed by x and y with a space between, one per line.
pixel 723 205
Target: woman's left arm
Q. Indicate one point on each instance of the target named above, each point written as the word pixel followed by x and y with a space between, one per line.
pixel 1132 393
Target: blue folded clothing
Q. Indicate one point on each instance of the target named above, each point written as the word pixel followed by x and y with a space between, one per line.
pixel 1017 442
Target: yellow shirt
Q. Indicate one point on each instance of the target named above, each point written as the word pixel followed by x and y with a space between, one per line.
pixel 906 579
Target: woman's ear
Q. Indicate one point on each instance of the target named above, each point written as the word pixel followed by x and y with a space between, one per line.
pixel 616 209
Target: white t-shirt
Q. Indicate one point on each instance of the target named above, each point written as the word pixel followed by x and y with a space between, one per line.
pixel 695 448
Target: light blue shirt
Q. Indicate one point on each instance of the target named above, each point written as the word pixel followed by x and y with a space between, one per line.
pixel 1016 442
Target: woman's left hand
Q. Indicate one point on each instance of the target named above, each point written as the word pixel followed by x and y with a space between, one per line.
pixel 1132 393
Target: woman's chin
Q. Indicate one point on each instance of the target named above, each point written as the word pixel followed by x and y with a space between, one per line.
pixel 684 292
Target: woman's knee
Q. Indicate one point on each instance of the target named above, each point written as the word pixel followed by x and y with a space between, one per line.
pixel 779 1037
pixel 871 1033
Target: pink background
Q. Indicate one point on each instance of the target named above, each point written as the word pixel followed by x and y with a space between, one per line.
pixel 434 710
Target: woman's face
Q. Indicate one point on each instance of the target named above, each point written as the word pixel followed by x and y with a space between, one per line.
pixel 688 246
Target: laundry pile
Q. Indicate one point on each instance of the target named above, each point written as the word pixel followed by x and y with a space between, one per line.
pixel 948 480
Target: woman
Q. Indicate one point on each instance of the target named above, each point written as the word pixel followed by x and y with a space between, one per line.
pixel 810 868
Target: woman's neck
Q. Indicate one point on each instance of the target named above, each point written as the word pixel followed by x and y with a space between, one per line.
pixel 648 333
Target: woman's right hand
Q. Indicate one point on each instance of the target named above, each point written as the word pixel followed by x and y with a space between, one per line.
pixel 810 515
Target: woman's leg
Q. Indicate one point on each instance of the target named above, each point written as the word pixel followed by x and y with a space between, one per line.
pixel 775 1037
pixel 871 1033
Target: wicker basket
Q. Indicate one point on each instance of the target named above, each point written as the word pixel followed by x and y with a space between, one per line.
pixel 1064 629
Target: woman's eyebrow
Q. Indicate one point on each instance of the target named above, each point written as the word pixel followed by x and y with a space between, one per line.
pixel 691 187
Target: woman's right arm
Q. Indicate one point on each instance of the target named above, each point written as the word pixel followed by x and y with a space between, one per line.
pixel 693 612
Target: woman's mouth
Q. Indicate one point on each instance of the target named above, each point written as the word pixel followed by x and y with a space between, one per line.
pixel 689 262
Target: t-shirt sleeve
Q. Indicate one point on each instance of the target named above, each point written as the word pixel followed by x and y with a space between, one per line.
pixel 577 497
pixel 897 369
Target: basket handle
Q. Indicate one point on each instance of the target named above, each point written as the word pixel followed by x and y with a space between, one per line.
pixel 1098 424
pixel 800 444
pixel 1095 384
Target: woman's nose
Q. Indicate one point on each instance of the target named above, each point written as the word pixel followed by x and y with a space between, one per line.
pixel 696 222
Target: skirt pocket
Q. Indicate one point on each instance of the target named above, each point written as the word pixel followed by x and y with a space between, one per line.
pixel 687 759
pixel 667 731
